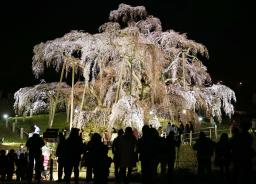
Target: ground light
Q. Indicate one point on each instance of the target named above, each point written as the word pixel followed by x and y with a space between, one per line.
pixel 5 116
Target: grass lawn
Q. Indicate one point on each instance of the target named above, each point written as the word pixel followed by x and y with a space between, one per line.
pixel 41 121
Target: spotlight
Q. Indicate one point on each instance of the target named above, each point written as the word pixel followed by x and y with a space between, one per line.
pixel 200 118
pixel 5 116
pixel 184 111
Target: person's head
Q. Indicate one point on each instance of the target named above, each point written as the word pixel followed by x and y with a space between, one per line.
pixel 114 130
pixel 145 130
pixel 96 138
pixel 224 137
pixel 21 146
pixel 74 132
pixel 128 130
pixel 12 151
pixel 235 131
pixel 120 132
pixel 2 153
pixel 202 135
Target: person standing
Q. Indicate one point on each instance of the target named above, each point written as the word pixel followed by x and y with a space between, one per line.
pixel 99 162
pixel 127 154
pixel 223 155
pixel 11 158
pixel 73 148
pixel 205 148
pixel 34 145
pixel 60 154
pixel 116 153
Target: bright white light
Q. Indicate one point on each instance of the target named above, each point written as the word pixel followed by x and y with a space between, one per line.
pixel 184 111
pixel 76 111
pixel 200 118
pixel 5 116
pixel 151 112
pixel 240 83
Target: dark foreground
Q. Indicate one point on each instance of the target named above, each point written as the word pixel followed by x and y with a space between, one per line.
pixel 181 176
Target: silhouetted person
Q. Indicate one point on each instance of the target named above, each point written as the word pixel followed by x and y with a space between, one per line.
pixel 242 153
pixel 106 137
pixel 223 155
pixel 3 165
pixel 11 158
pixel 73 147
pixel 136 133
pixel 147 148
pixel 204 147
pixel 99 160
pixel 116 153
pixel 34 145
pixel 127 154
pixel 163 155
pixel 181 128
pixel 60 154
pixel 21 150
pixel 186 132
pixel 168 128
pixel 171 151
pixel 191 127
pixel 21 168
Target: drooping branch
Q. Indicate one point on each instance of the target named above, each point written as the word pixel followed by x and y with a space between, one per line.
pixel 133 58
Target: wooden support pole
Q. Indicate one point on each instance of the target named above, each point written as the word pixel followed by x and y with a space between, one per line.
pixel 13 127
pixel 21 133
pixel 190 138
pixel 57 97
pixel 183 70
pixel 6 123
pixel 30 112
pixel 72 97
pixel 216 131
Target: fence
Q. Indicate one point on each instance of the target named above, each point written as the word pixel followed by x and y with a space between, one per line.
pixel 211 132
pixel 22 134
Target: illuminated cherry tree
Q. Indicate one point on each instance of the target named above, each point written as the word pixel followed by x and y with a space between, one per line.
pixel 134 72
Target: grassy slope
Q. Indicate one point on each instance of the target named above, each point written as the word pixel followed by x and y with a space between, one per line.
pixel 41 121
pixel 7 134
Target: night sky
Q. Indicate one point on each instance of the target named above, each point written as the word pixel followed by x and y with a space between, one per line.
pixel 224 26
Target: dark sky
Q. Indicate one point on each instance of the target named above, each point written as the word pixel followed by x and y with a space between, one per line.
pixel 224 26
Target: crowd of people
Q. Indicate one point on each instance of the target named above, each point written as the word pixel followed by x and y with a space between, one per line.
pixel 151 147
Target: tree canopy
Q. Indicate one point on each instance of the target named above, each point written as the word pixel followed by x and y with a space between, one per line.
pixel 135 72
